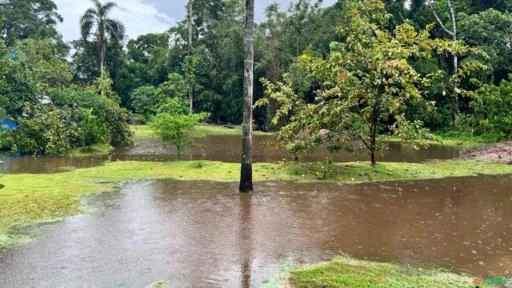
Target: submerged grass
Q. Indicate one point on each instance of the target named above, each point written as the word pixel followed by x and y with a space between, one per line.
pixel 346 272
pixel 34 197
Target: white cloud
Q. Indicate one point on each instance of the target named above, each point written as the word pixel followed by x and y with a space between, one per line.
pixel 138 17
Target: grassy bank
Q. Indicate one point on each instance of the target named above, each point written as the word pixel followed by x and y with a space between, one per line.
pixel 35 197
pixel 143 131
pixel 345 272
pixel 93 150
pixel 458 139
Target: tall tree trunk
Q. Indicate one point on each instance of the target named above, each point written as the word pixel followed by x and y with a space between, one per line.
pixel 103 55
pixel 373 137
pixel 246 167
pixel 455 95
pixel 190 46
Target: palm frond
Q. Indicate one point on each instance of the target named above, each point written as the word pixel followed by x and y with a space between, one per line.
pixel 105 9
pixel 115 29
pixel 87 22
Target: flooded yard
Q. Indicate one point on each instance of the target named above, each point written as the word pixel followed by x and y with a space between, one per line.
pixel 205 234
pixel 224 148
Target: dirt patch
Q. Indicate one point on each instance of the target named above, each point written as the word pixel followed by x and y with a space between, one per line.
pixel 498 152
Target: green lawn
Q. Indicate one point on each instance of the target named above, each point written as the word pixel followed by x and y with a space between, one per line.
pixel 143 131
pixel 345 272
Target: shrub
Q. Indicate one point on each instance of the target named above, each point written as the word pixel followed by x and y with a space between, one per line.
pixel 491 111
pixel 176 128
pixel 45 130
pixel 107 111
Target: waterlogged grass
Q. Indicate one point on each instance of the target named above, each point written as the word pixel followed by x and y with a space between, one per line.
pixel 356 172
pixel 345 272
pixel 35 197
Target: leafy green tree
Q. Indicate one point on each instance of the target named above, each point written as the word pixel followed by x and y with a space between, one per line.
pixel 175 87
pixel 176 129
pixel 366 83
pixel 145 101
pixel 148 58
pixel 174 106
pixel 490 31
pixel 43 65
pixel 16 86
pixel 30 19
pixel 105 29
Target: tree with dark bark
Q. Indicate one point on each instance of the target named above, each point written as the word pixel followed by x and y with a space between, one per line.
pixel 95 22
pixel 246 169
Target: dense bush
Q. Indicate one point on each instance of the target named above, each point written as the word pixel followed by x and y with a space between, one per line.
pixel 46 129
pixel 106 110
pixel 76 117
pixel 491 111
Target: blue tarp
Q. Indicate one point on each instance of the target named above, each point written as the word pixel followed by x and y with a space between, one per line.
pixel 6 123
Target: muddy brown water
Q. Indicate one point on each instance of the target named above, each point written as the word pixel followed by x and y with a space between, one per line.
pixel 205 234
pixel 219 148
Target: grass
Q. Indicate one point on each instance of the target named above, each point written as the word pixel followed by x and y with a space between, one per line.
pixel 96 149
pixel 26 198
pixel 450 138
pixel 143 131
pixel 346 272
pixel 463 139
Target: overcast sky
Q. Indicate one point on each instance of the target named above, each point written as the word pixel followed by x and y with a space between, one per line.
pixel 140 16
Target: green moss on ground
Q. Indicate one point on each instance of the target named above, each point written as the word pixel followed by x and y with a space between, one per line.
pixel 345 272
pixel 34 197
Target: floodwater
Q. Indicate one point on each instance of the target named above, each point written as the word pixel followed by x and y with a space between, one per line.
pixel 219 148
pixel 205 234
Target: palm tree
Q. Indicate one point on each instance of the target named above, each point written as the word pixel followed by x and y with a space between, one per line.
pixel 246 169
pixel 190 47
pixel 95 22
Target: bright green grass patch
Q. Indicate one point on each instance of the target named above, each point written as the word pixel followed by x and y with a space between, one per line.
pixel 451 138
pixel 93 150
pixel 143 131
pixel 462 139
pixel 345 272
pixel 34 197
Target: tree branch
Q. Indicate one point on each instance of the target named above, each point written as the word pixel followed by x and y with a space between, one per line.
pixel 441 22
pixel 454 21
pixel 365 143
